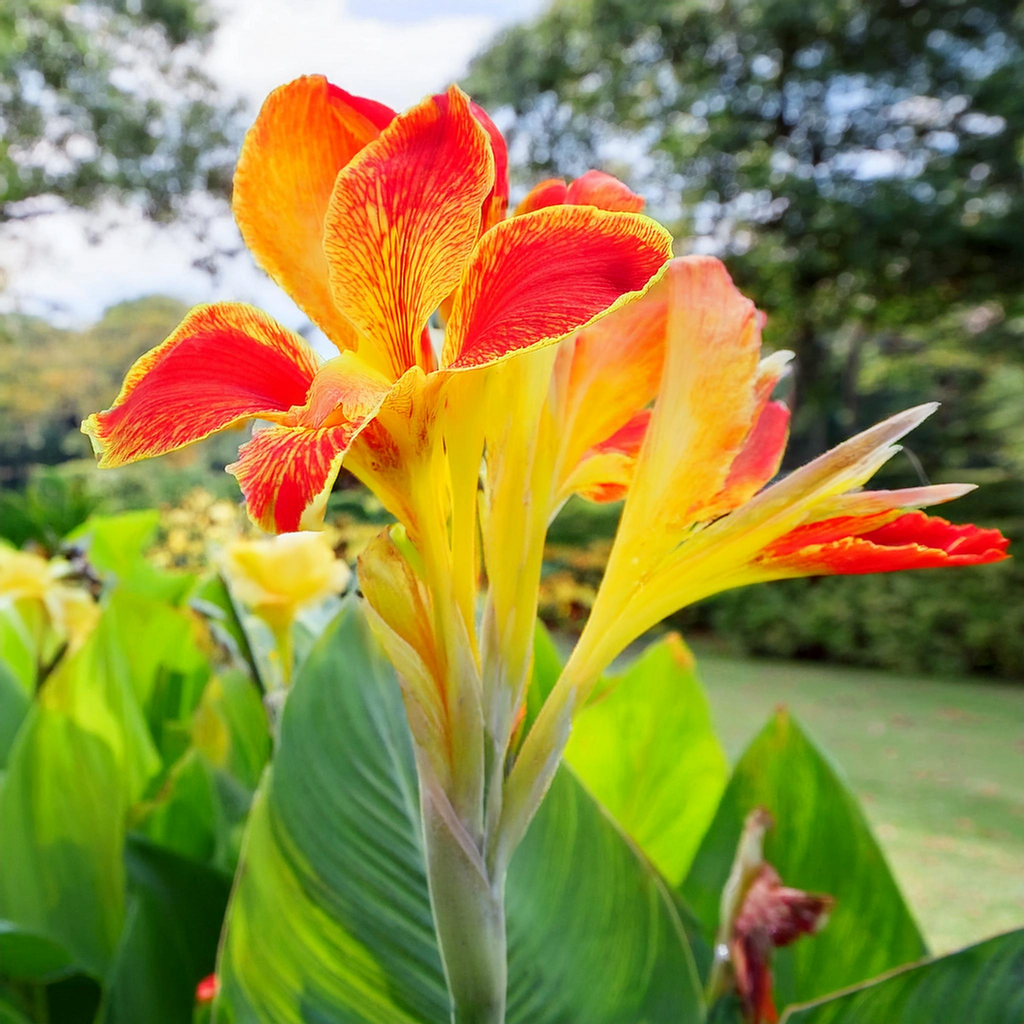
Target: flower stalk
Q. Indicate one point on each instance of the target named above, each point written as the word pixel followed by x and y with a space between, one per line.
pixel 469 914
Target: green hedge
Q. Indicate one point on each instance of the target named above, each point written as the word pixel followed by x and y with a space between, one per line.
pixel 947 622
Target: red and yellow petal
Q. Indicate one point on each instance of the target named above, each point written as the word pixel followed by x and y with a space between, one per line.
pixel 606 470
pixel 286 474
pixel 706 402
pixel 532 280
pixel 609 372
pixel 225 363
pixel 287 470
pixel 595 188
pixel 911 540
pixel 402 221
pixel 760 457
pixel 496 203
pixel 304 134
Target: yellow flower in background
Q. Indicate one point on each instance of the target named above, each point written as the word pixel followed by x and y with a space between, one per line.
pixel 276 577
pixel 39 588
pixel 279 576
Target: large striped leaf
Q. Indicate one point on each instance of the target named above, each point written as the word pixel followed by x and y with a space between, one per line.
pixel 821 843
pixel 983 984
pixel 330 919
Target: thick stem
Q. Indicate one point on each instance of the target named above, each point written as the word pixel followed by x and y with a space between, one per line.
pixel 469 915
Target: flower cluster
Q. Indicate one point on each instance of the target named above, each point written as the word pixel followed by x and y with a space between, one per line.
pixel 578 357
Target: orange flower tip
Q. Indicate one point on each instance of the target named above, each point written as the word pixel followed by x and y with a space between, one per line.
pixel 551 192
pixel 305 133
pixel 595 188
pixel 912 540
pixel 535 279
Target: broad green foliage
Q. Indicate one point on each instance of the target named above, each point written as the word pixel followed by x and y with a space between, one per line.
pixel 128 733
pixel 332 869
pixel 175 910
pixel 983 984
pixel 859 162
pixel 821 843
pixel 646 750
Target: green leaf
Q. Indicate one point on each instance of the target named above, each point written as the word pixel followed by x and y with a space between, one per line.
pixel 169 944
pixel 821 843
pixel 983 984
pixel 117 545
pixel 330 919
pixel 18 670
pixel 82 757
pixel 62 807
pixel 118 542
pixel 28 956
pixel 646 749
pixel 14 705
pixel 17 648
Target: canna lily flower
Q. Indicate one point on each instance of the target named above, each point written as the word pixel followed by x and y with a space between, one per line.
pixel 701 514
pixel 279 576
pixel 276 577
pixel 39 588
pixel 371 223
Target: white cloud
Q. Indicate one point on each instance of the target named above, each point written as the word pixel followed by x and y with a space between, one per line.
pixel 266 42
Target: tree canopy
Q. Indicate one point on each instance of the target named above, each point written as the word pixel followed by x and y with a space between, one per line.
pixel 108 99
pixel 857 164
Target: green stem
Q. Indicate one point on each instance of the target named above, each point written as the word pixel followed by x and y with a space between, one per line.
pixel 469 914
pixel 285 651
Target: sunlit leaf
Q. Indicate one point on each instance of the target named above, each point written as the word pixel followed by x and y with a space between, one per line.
pixel 646 749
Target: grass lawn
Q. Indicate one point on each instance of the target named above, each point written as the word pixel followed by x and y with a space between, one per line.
pixel 937 764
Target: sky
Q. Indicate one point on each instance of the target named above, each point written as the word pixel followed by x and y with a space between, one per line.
pixel 395 51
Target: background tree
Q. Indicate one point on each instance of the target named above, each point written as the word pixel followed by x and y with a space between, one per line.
pixel 857 164
pixel 107 99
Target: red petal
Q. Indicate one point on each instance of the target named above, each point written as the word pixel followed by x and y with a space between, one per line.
pixel 532 280
pixel 286 471
pixel 628 439
pixel 496 203
pixel 595 188
pixel 225 363
pixel 207 989
pixel 402 222
pixel 606 470
pixel 551 192
pixel 850 545
pixel 378 114
pixel 761 455
pixel 286 474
